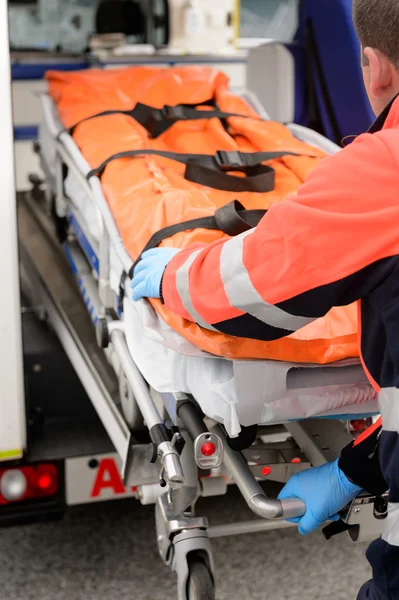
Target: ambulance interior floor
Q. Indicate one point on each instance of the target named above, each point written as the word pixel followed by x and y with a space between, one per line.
pixel 107 552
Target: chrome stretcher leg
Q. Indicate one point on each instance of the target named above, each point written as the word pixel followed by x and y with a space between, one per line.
pixel 182 538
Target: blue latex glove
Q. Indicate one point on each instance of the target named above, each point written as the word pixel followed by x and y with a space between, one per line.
pixel 325 490
pixel 147 276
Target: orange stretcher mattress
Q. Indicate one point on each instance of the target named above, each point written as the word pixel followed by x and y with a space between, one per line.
pixel 147 193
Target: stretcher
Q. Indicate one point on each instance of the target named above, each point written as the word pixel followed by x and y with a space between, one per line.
pixel 198 408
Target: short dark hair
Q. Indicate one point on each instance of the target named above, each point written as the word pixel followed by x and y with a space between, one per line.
pixel 377 26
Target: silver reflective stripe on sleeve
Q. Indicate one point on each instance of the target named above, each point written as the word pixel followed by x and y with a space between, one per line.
pixel 390 532
pixel 243 295
pixel 388 402
pixel 183 288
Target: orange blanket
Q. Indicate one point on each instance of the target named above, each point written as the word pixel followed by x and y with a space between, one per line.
pixel 148 193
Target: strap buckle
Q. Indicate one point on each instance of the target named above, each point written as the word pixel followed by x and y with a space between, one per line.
pixel 172 113
pixel 230 160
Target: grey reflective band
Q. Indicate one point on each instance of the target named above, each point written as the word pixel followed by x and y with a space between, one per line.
pixel 183 288
pixel 242 294
pixel 388 402
pixel 390 532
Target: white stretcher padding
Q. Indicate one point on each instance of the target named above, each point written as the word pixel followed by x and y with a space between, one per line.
pixel 234 393
pixel 244 392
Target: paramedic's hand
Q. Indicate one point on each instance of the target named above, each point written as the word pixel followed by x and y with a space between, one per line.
pixel 325 490
pixel 147 276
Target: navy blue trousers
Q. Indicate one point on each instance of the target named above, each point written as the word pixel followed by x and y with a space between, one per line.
pixel 383 554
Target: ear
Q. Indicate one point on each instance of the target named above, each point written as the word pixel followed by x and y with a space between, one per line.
pixel 380 72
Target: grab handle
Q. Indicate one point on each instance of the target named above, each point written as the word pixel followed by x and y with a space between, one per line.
pixel 270 508
pixel 258 502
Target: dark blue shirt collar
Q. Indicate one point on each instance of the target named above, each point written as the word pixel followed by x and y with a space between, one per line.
pixel 380 120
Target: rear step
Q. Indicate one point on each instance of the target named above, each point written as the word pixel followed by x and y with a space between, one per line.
pixel 44 265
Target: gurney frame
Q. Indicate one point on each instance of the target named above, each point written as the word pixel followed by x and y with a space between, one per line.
pixel 175 473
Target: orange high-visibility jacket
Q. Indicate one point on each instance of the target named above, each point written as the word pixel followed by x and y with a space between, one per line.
pixel 318 249
pixel 148 193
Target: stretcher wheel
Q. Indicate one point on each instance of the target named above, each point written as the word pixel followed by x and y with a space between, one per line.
pixel 102 333
pixel 200 583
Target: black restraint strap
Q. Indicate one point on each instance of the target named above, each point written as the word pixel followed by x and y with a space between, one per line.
pixel 335 528
pixel 157 120
pixel 232 219
pixel 121 293
pixel 212 170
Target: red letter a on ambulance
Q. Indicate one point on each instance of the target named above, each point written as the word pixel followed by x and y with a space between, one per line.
pixel 107 477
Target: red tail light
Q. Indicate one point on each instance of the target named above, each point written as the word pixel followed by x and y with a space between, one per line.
pixel 28 483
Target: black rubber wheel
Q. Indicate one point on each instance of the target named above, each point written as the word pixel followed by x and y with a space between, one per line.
pixel 102 333
pixel 200 584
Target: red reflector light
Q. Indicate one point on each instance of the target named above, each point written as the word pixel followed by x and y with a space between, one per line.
pixel 266 471
pixel 41 481
pixel 296 460
pixel 208 449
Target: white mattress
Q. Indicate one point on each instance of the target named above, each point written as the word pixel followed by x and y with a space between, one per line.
pixel 244 392
pixel 232 392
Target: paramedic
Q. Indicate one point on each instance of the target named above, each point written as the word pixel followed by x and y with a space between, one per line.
pixel 335 242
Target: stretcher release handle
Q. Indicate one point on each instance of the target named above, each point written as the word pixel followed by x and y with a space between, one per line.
pixel 258 502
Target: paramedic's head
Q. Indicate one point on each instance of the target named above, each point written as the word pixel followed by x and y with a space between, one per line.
pixel 377 26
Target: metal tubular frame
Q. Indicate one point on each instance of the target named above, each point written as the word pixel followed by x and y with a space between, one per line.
pixel 267 508
pixel 245 527
pixel 141 392
pixel 167 453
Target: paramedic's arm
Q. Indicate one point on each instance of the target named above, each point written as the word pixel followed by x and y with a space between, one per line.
pixel 310 253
